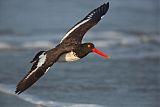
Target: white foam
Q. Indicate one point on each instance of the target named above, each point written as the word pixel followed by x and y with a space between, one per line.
pixel 6 46
pixel 9 89
pixel 26 45
pixel 100 39
pixel 38 44
pixel 112 38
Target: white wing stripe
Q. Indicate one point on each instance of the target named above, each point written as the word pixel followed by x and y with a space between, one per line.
pixel 32 73
pixel 40 63
pixel 47 70
pixel 67 34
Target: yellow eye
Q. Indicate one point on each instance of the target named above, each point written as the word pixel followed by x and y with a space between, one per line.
pixel 89 46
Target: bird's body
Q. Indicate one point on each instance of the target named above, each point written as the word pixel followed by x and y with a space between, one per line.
pixel 69 49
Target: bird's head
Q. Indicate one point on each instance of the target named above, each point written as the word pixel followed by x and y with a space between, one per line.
pixel 89 47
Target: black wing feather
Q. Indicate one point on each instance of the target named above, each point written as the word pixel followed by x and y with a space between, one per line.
pixel 76 35
pixel 98 12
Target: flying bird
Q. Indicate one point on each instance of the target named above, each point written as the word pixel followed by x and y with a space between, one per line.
pixel 69 49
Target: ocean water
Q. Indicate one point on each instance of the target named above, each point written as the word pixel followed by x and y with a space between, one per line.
pixel 129 33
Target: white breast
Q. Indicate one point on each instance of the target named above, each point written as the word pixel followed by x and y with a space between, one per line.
pixel 68 57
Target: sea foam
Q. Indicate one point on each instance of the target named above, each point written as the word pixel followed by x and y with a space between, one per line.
pixel 9 89
pixel 100 39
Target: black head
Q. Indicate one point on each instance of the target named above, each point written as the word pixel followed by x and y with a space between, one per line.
pixel 86 48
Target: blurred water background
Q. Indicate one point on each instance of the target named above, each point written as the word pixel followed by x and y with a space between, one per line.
pixel 129 33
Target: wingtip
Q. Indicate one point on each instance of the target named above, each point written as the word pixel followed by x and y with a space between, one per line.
pixel 107 4
pixel 105 7
pixel 19 88
pixel 17 91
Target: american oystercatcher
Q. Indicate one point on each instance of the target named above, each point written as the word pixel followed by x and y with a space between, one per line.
pixel 69 49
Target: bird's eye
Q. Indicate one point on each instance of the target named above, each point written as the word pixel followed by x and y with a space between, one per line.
pixel 88 46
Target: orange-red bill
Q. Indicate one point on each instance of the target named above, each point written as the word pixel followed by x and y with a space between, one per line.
pixel 100 53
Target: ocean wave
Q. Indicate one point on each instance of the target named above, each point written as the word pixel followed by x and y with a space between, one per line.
pixel 112 38
pixel 100 39
pixel 4 45
pixel 9 89
pixel 38 44
pixel 26 45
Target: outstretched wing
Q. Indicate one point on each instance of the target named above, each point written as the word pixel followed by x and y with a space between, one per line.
pixel 76 33
pixel 39 68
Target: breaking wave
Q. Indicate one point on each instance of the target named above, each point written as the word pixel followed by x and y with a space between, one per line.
pixel 9 89
pixel 100 39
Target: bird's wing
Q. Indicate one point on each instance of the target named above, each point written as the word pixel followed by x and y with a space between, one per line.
pixel 39 68
pixel 76 33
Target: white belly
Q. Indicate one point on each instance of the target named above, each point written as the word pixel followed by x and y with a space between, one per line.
pixel 68 57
